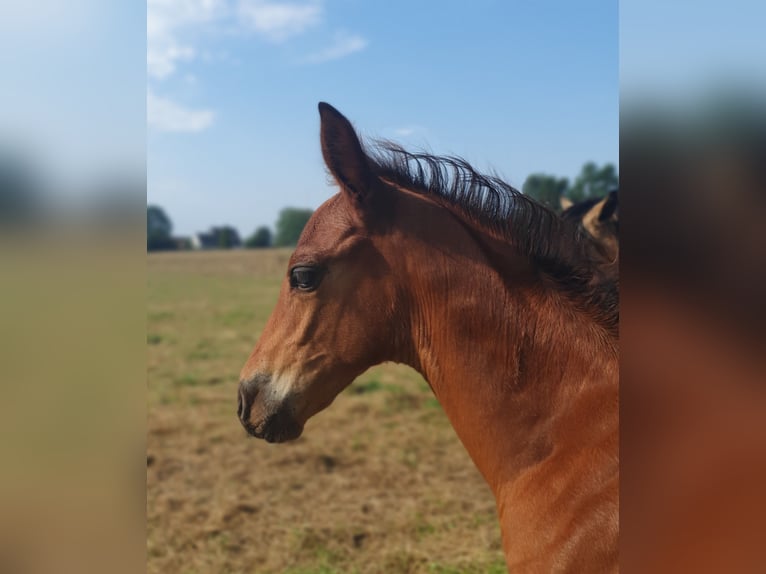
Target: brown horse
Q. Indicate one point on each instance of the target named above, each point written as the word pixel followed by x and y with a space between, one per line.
pixel 494 300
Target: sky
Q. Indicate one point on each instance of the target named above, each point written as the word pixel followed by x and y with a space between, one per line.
pixel 677 53
pixel 514 86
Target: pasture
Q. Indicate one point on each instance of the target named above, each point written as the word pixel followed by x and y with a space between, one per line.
pixel 378 483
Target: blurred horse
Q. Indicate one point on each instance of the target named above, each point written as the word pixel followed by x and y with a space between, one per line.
pixel 494 299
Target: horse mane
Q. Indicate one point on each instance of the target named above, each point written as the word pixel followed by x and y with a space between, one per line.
pixel 556 245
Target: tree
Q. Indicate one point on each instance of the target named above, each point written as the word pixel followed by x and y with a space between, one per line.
pixel 290 224
pixel 228 237
pixel 260 238
pixel 546 189
pixel 158 229
pixel 594 182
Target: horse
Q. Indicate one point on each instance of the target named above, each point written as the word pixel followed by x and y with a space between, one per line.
pixel 494 299
pixel 598 219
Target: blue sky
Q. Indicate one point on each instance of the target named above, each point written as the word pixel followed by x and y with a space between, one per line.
pixel 678 52
pixel 515 86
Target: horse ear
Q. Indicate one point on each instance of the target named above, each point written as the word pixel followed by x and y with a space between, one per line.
pixel 610 206
pixel 343 153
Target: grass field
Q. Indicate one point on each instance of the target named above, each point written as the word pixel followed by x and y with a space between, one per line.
pixel 378 483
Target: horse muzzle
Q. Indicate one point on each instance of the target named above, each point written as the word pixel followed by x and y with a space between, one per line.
pixel 263 417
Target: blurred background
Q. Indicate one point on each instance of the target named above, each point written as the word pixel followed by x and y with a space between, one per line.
pixel 692 395
pixel 72 296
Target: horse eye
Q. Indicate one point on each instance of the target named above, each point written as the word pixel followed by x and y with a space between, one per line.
pixel 304 278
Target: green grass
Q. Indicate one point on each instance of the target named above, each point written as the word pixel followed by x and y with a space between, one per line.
pixel 432 403
pixel 187 380
pixel 361 388
pixel 159 316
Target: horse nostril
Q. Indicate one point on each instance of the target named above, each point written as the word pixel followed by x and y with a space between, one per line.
pixel 244 404
pixel 247 393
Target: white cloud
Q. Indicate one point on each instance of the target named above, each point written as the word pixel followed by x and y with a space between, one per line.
pixel 343 45
pixel 277 21
pixel 404 132
pixel 161 61
pixel 178 29
pixel 407 131
pixel 165 115
pixel 173 27
pixel 168 25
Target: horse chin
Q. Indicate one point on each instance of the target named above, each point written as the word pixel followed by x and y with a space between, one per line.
pixel 283 435
pixel 278 427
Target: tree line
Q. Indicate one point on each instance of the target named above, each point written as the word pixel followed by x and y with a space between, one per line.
pixel 290 224
pixel 593 181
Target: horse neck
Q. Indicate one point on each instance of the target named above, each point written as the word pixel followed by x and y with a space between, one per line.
pixel 510 364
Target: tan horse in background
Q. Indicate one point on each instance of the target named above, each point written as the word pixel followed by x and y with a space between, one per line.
pixel 599 221
pixel 495 300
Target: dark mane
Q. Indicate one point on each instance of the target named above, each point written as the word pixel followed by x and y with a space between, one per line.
pixel 554 244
